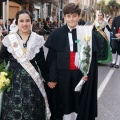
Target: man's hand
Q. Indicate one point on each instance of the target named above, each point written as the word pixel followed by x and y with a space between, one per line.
pixel 85 78
pixel 52 84
pixel 117 35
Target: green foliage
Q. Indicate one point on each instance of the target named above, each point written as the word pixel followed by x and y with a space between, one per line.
pixel 86 61
pixel 111 8
pixel 101 5
pixel 2 66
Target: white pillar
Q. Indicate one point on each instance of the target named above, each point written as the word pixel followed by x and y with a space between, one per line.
pixel 7 13
pixel 4 11
pixel 44 11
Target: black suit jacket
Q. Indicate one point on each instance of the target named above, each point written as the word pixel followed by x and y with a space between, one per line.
pixel 115 25
pixel 58 56
pixel 58 59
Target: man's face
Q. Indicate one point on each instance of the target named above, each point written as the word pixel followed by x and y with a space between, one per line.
pixel 72 19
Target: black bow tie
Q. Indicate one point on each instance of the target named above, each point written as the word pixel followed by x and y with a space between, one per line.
pixel 72 31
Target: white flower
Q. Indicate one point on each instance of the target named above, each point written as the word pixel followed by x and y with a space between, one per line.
pixel 87 38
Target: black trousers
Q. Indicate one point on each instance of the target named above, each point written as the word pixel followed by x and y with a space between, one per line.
pixel 116 46
pixel 67 81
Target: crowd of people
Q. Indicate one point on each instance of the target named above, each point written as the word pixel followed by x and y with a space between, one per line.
pixel 41 26
pixel 46 89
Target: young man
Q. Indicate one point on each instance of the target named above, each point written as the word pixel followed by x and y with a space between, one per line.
pixel 64 75
pixel 116 43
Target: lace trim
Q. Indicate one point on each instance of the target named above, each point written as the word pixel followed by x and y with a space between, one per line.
pixel 38 42
pixel 7 44
pixel 33 46
pixel 104 23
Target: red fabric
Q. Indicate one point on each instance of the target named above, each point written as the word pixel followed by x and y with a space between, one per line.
pixel 72 59
pixel 119 30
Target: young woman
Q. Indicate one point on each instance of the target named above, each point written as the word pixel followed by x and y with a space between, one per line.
pixel 104 54
pixel 26 99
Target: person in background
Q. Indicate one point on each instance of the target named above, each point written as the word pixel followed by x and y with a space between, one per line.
pixel 104 54
pixel 27 98
pixel 39 23
pixel 47 26
pixel 65 103
pixel 51 18
pixel 9 23
pixel 116 43
pixel 3 28
pixel 81 21
pixel 35 27
pixel 110 21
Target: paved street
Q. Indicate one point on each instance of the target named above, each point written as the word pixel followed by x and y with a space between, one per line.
pixel 109 100
pixel 108 92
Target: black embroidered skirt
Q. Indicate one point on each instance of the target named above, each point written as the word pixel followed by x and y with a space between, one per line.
pixel 24 101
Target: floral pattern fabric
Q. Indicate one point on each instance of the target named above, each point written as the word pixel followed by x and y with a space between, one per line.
pixel 24 101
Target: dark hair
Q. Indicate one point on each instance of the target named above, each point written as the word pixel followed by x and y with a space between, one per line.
pixel 22 12
pixel 47 19
pixel 102 14
pixel 109 19
pixel 71 8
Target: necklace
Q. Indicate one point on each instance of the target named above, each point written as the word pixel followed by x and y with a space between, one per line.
pixel 100 21
pixel 25 44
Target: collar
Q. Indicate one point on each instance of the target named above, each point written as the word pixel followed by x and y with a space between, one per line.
pixel 70 30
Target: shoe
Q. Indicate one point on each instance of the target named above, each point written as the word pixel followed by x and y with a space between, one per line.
pixel 112 65
pixel 116 66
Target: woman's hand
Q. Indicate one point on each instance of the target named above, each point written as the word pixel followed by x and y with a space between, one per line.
pixel 52 84
pixel 85 78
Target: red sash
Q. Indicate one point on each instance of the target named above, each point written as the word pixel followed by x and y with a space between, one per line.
pixel 72 60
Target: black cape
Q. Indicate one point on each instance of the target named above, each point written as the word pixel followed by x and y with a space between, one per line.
pixel 88 103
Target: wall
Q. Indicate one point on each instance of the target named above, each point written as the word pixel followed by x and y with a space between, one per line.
pixel 12 10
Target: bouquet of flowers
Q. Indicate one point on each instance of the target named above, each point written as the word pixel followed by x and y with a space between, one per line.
pixel 86 52
pixel 5 77
pixel 85 62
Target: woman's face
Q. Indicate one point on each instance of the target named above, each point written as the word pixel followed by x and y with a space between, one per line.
pixel 111 20
pixel 24 23
pixel 100 16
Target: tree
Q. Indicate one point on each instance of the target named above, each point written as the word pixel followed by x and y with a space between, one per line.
pixel 101 5
pixel 113 7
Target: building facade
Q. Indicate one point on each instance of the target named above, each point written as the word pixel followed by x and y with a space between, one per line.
pixel 45 8
pixel 88 8
pixel 39 9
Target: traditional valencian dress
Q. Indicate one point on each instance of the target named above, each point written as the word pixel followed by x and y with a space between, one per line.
pixel 71 104
pixel 104 54
pixel 27 98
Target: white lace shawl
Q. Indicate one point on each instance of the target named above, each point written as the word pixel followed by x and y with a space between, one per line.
pixel 102 25
pixel 34 44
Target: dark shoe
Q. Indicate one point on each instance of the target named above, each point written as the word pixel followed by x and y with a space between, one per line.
pixel 116 66
pixel 112 65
